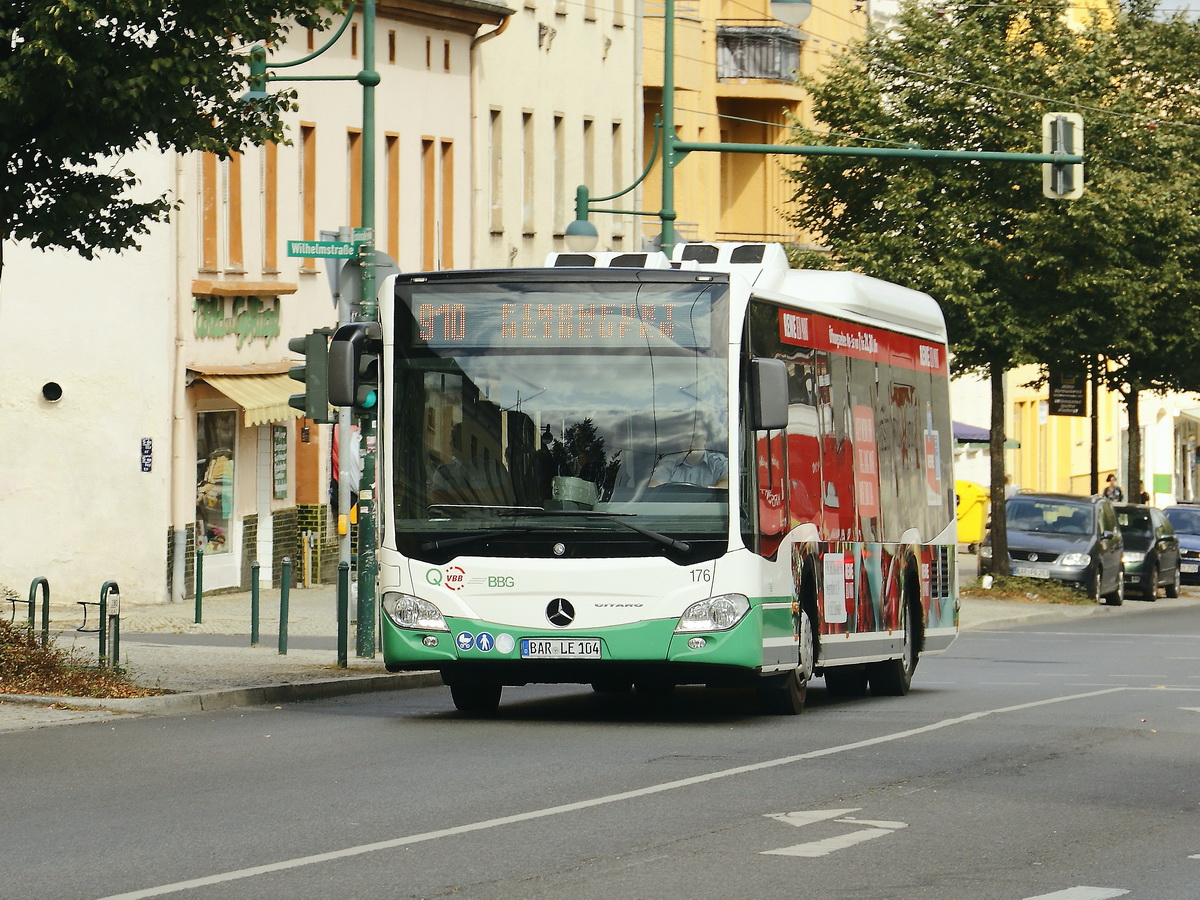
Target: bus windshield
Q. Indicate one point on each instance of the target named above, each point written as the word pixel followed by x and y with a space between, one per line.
pixel 580 416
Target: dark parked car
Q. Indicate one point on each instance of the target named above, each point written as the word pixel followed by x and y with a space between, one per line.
pixel 1067 538
pixel 1185 519
pixel 1151 554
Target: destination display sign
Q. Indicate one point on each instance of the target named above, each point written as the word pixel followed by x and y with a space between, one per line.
pixel 562 320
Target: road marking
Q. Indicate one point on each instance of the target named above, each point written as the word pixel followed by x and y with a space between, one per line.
pixel 1082 893
pixel 409 840
pixel 823 848
pixel 1190 708
pixel 800 819
pixel 875 829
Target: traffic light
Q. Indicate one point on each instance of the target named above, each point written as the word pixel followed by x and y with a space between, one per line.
pixel 354 366
pixel 1062 133
pixel 314 374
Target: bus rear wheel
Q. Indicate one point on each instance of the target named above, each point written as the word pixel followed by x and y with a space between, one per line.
pixel 476 697
pixel 893 677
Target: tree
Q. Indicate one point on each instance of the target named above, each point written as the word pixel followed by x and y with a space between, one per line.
pixel 1020 277
pixel 84 82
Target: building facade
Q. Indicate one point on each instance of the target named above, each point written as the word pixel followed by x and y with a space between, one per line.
pixel 735 69
pixel 557 103
pixel 150 419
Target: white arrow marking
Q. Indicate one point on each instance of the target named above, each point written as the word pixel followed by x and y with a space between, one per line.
pixel 807 817
pixel 892 826
pixel 1190 708
pixel 829 845
pixel 1082 893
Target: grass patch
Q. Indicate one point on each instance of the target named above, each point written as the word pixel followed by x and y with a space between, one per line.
pixel 1033 590
pixel 26 667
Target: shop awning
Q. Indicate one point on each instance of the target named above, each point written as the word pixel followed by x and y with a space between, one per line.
pixel 973 434
pixel 264 397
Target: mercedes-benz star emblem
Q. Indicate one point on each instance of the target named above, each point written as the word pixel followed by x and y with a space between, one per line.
pixel 560 612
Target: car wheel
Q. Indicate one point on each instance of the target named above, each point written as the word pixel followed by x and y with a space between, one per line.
pixel 1096 585
pixel 1173 585
pixel 1117 597
pixel 1150 586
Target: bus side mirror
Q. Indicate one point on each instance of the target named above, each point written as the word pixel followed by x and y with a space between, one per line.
pixel 349 353
pixel 768 394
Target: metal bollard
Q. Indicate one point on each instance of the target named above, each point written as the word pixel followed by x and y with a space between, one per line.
pixel 343 614
pixel 110 619
pixel 40 581
pixel 45 586
pixel 285 586
pixel 254 576
pixel 199 582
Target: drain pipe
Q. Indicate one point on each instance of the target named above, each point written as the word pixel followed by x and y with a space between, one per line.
pixel 181 479
pixel 477 162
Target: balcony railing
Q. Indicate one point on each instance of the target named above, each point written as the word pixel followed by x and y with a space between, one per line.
pixel 764 52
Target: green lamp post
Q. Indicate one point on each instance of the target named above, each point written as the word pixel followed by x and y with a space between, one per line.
pixel 369 79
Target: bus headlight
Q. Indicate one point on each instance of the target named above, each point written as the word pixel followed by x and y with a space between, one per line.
pixel 718 613
pixel 413 612
pixel 1076 560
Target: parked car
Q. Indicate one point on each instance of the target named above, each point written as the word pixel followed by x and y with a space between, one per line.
pixel 1065 537
pixel 1151 555
pixel 1185 519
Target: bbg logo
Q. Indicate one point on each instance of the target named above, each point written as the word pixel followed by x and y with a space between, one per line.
pixel 501 581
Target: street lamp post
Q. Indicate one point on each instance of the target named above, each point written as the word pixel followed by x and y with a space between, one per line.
pixel 368 78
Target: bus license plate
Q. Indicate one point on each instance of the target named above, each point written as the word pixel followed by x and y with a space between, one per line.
pixel 560 648
pixel 1031 572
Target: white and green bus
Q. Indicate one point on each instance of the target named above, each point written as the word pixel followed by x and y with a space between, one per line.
pixel 637 472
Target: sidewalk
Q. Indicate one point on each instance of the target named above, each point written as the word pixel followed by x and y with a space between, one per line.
pixel 211 665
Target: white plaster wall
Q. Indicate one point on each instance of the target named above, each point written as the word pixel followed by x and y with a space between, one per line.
pixel 74 503
pixel 553 60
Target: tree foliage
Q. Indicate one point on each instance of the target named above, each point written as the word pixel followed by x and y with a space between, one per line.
pixel 1022 278
pixel 85 82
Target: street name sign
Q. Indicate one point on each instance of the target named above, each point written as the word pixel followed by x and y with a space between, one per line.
pixel 323 249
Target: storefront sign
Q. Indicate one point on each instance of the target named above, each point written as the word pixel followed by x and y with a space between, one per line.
pixel 249 318
pixel 1067 393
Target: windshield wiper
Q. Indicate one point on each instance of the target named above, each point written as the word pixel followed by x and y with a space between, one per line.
pixel 616 518
pixel 445 543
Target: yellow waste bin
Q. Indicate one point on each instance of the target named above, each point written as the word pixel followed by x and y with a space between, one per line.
pixel 973 502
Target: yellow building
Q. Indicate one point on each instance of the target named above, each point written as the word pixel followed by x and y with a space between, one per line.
pixel 734 69
pixel 1054 452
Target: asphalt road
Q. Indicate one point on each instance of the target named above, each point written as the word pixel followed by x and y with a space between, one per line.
pixel 1051 761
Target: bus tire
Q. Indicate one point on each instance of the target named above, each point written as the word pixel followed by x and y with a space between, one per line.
pixel 476 696
pixel 612 687
pixel 846 681
pixel 785 695
pixel 893 677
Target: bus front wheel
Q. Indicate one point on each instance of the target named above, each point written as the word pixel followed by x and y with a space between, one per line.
pixel 785 695
pixel 476 697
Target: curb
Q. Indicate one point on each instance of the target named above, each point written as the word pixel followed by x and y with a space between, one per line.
pixel 255 695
